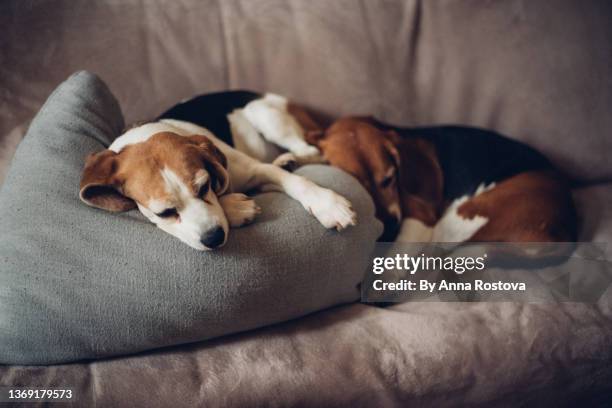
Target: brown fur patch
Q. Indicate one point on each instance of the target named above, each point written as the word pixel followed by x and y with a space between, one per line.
pixel 421 180
pixel 99 187
pixel 530 207
pixel 358 146
pixel 303 117
pixel 110 180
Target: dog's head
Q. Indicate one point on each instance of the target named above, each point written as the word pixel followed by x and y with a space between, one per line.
pixel 174 181
pixel 370 154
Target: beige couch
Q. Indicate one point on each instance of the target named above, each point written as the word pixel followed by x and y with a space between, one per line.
pixel 536 70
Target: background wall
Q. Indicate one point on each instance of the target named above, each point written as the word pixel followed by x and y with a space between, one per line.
pixel 536 70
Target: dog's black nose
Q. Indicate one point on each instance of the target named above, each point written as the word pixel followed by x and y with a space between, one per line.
pixel 213 238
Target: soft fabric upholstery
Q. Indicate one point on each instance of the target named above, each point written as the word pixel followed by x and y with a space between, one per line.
pixel 594 204
pixel 536 70
pixel 77 282
pixel 415 354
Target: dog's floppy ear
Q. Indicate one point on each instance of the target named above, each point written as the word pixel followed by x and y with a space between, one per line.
pixel 421 175
pixel 99 185
pixel 215 163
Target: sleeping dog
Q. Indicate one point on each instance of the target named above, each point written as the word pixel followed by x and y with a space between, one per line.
pixel 183 174
pixel 452 184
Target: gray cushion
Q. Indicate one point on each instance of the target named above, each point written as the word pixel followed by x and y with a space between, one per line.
pixel 79 283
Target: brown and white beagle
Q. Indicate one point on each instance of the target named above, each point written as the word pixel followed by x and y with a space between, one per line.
pixel 187 170
pixel 451 183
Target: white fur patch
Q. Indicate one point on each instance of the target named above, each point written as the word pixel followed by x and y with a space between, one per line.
pixel 174 185
pixel 197 217
pixel 269 115
pixel 157 206
pixel 331 209
pixel 454 228
pixel 143 132
pixel 276 100
pixel 247 139
pixel 413 230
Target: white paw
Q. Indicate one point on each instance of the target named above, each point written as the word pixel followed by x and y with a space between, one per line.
pixel 331 209
pixel 286 161
pixel 239 209
pixel 307 151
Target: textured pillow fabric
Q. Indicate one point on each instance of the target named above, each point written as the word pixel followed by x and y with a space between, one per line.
pixel 79 283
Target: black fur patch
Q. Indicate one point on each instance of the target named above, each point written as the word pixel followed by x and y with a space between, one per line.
pixel 210 111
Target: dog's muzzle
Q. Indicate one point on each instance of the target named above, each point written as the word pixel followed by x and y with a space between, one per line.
pixel 213 238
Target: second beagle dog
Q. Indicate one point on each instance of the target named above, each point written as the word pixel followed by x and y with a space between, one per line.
pixel 451 183
pixel 189 182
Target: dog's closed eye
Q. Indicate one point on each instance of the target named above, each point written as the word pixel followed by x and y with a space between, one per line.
pixel 167 213
pixel 386 182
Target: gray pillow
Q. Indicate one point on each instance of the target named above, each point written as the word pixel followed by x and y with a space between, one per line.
pixel 80 283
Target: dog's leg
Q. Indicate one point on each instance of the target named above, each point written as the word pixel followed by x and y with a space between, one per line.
pixel 414 231
pixel 289 161
pixel 270 117
pixel 331 209
pixel 239 209
pixel 247 139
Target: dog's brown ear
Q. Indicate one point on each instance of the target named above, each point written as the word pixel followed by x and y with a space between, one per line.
pixel 215 163
pixel 421 174
pixel 99 184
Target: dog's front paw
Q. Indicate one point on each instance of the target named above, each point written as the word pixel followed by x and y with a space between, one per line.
pixel 286 161
pixel 331 209
pixel 307 151
pixel 239 209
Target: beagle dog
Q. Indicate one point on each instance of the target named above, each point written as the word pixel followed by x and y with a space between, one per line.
pixel 185 176
pixel 451 183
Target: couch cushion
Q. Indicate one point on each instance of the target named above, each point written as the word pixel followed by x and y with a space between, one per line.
pixel 594 205
pixel 534 70
pixel 79 283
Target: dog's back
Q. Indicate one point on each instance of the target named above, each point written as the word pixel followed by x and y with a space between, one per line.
pixel 210 111
pixel 470 157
